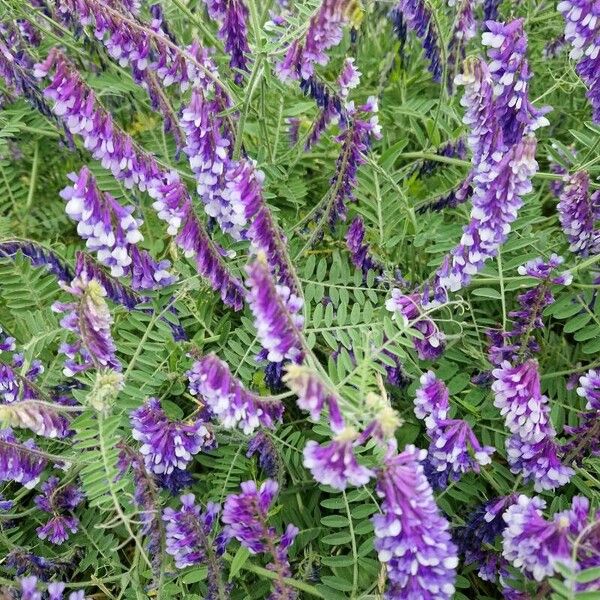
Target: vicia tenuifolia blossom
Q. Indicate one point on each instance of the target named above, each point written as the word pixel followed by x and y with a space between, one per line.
pixel 269 457
pixel 408 307
pixel 325 31
pixel 39 256
pixel 89 318
pixel 20 461
pixel 578 212
pixel 531 449
pixel 76 105
pixel 411 535
pixel 166 444
pixel 464 29
pixel 59 501
pixel 535 545
pixel 28 590
pixel 581 31
pixel 417 16
pixel 359 250
pixel 228 400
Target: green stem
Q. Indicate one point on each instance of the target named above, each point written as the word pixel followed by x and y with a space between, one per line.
pixel 33 179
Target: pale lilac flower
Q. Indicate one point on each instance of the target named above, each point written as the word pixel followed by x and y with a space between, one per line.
pixel 335 463
pixel 411 535
pixel 349 77
pixel 228 400
pixel 590 389
pixel 166 444
pixel 543 269
pixel 464 29
pixel 42 417
pixel 431 399
pixel 578 211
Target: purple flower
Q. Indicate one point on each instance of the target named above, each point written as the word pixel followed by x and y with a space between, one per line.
pixel 166 444
pixel 532 448
pixel 38 256
pixel 510 73
pixel 349 77
pixel 58 501
pixel 268 455
pixel 490 9
pixel 578 211
pixel 590 389
pixel 464 29
pixel 20 462
pixel 542 269
pixel 275 309
pixel 188 532
pixel 27 562
pixel 554 47
pixel 581 31
pixel 411 312
pixel 227 399
pixel 417 16
pixel 335 463
pixel 325 31
pixel 233 16
pixel 411 536
pixel 42 417
pixel 359 251
pixel 29 590
pixel 431 399
pixel 89 318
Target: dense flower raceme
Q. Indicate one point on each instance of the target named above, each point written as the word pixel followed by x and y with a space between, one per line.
pixel 411 535
pixel 536 545
pixel 39 256
pixel 59 501
pixel 578 211
pixel 464 29
pixel 112 232
pixel 581 31
pixel 76 105
pixel 325 31
pixel 245 517
pixel 277 313
pixel 519 342
pixel 89 318
pixel 233 16
pixel 29 590
pixel 167 445
pixel 228 400
pixel 417 16
pixel 410 310
pixel 454 449
pixel 531 448
pixel 359 250
pixel 20 462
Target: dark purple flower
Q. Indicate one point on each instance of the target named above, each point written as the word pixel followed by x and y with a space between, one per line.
pixel 38 256
pixel 410 309
pixel 581 31
pixel 411 535
pixel 233 16
pixel 417 16
pixel 276 313
pixel 554 47
pixel 452 149
pixel 227 399
pixel 268 455
pixel 532 449
pixel 20 462
pixel 490 9
pixel 26 562
pixel 359 251
pixel 578 211
pixel 166 444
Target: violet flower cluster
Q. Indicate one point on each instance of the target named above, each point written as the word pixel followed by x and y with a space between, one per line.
pixel 535 545
pixel 454 449
pixel 581 31
pixel 578 212
pixel 531 449
pixel 112 232
pixel 59 501
pixel 39 256
pixel 228 400
pixel 29 590
pixel 416 15
pixel 21 462
pixel 408 307
pixel 268 455
pixel 89 318
pixel 325 31
pixel 245 516
pixel 359 250
pixel 411 535
pixel 165 444
pixel 463 30
pixel 76 105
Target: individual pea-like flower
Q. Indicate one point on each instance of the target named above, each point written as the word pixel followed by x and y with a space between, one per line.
pixel 531 449
pixel 268 455
pixel 58 501
pixel 410 309
pixel 228 400
pixel 543 269
pixel 335 463
pixel 276 314
pixel 411 535
pixel 535 545
pixel 431 399
pixel 578 211
pixel 166 444
pixel 20 461
pixel 581 31
pixel 325 31
pixel 7 342
pixel 90 319
pixel 349 77
pixel 589 388
pixel 418 18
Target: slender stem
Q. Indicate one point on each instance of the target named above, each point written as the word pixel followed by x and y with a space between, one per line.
pixel 33 179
